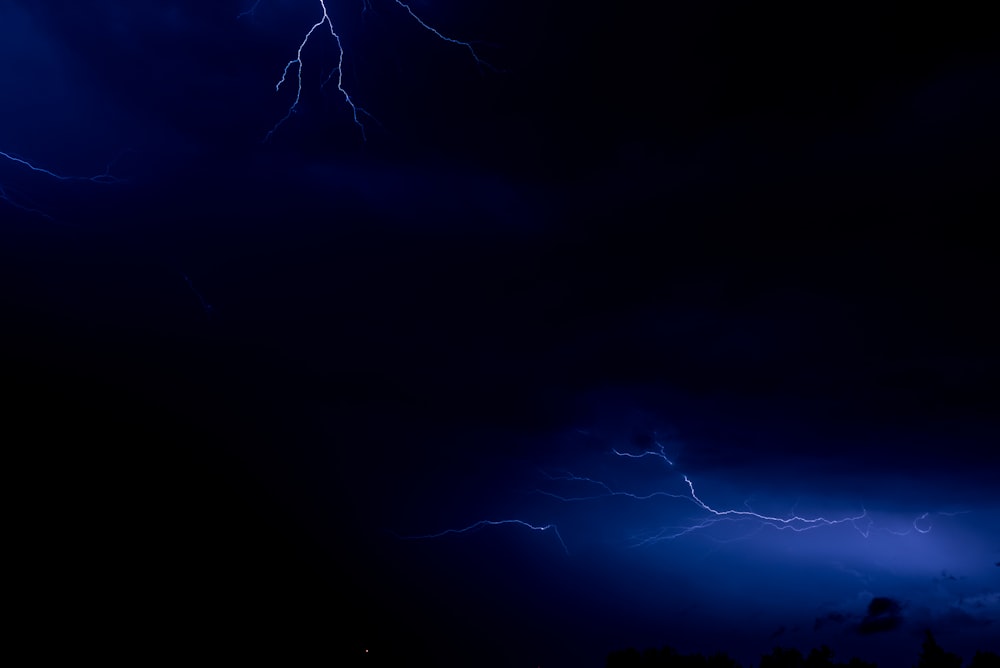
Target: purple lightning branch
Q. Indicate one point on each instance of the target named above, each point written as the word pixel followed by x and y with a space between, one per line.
pixel 294 67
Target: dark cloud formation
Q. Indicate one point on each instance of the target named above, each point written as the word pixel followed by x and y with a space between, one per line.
pixel 884 614
pixel 830 618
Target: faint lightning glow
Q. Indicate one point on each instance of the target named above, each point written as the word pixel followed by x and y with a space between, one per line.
pixel 467 45
pixel 206 307
pixel 250 11
pixel 294 68
pixel 660 452
pixel 492 523
pixel 21 206
pixel 104 177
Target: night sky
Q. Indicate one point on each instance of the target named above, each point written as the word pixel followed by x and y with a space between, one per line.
pixel 659 325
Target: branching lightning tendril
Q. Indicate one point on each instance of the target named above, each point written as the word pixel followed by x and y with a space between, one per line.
pixel 707 515
pixel 105 177
pixel 294 67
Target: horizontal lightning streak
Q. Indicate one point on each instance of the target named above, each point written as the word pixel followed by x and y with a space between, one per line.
pixel 608 491
pixel 660 453
pixel 104 177
pixel 794 522
pixel 862 522
pixel 487 523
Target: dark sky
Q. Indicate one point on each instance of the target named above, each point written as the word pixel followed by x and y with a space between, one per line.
pixel 672 282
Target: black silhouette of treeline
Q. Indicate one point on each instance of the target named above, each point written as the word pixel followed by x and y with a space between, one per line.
pixel 931 656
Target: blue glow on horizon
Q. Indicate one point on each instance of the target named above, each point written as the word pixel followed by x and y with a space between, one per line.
pixel 639 535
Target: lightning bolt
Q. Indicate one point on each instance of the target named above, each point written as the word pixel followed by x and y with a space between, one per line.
pixel 791 522
pixel 296 65
pixel 294 68
pixel 707 514
pixel 862 521
pixel 467 45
